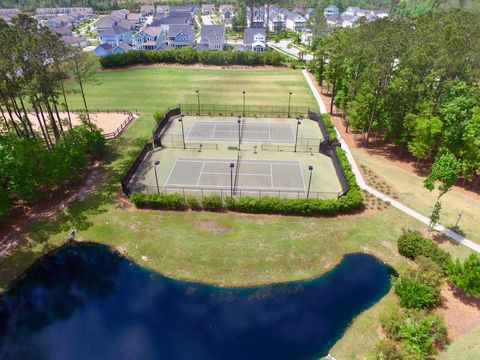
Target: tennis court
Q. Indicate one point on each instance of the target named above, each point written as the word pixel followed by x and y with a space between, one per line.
pixel 245 175
pixel 249 132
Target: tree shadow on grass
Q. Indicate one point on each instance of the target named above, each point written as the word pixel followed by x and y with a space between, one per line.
pixel 38 239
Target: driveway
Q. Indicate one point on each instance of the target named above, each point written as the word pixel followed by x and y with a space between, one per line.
pixel 283 45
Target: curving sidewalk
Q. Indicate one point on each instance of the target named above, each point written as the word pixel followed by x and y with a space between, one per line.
pixel 363 185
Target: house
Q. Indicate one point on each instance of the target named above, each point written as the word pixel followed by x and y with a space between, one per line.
pixel 259 17
pixel 308 13
pixel 62 30
pixel 227 12
pixel 128 24
pixel 334 20
pixel 8 14
pixel 121 14
pixel 106 22
pixel 163 9
pixel 75 41
pixel 78 12
pixel 306 37
pixel 150 38
pixel 255 39
pixel 346 20
pixel 212 37
pixel 208 9
pixel 115 35
pixel 294 21
pixel 173 18
pixel 134 17
pixel 147 10
pixel 379 14
pixel 62 21
pixel 180 36
pixel 276 19
pixel 331 10
pixel 109 49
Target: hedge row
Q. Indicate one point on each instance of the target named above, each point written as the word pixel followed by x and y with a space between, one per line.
pixel 330 127
pixel 349 202
pixel 188 55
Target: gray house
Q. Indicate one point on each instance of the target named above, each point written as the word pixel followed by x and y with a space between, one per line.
pixel 181 36
pixel 255 39
pixel 212 37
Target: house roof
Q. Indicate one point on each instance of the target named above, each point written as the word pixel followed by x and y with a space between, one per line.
pixel 163 9
pixel 105 22
pixel 208 7
pixel 127 24
pixel 105 46
pixel 224 8
pixel 208 30
pixel 125 47
pixel 174 30
pixel 153 30
pixel 72 40
pixel 147 8
pixel 114 30
pixel 249 34
pixel 62 30
pixel 173 20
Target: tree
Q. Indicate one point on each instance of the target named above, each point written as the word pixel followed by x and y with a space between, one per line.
pixel 445 172
pixel 467 275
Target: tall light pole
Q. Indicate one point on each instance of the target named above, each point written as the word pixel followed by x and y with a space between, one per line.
pixel 198 100
pixel 310 167
pixel 239 121
pixel 296 134
pixel 183 131
pixel 157 162
pixel 231 179
pixel 243 92
pixel 289 100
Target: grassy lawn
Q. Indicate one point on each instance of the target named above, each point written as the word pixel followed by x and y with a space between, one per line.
pixel 468 345
pixel 226 248
pixel 409 186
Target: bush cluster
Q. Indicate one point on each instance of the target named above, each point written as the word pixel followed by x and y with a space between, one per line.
pixel 188 55
pixel 467 275
pixel 412 244
pixel 348 202
pixel 420 288
pixel 419 332
pixel 332 134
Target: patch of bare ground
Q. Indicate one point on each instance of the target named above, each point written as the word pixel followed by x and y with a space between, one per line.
pixel 211 226
pixel 460 311
pixel 22 215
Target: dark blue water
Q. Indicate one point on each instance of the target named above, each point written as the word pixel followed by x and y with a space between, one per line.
pixel 86 302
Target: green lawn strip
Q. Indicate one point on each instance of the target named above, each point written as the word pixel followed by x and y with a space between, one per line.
pixel 466 346
pixel 283 52
pixel 411 192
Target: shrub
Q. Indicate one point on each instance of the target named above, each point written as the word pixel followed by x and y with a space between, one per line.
pixel 157 117
pixel 193 203
pixel 212 203
pixel 413 244
pixel 389 350
pixel 420 288
pixel 332 134
pixel 418 331
pixel 467 275
pixel 158 201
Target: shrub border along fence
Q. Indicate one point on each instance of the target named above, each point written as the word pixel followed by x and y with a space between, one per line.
pixel 350 201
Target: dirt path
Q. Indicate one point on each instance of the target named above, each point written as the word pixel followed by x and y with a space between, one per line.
pixel 21 217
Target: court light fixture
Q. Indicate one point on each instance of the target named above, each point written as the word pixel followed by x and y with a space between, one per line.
pixel 157 162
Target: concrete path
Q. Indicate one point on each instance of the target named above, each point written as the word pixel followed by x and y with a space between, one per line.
pixel 363 185
pixel 292 51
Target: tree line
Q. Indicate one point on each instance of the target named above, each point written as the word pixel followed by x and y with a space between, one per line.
pixel 39 147
pixel 411 83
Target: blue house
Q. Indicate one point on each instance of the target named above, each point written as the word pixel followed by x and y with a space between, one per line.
pixel 150 38
pixel 115 35
pixel 109 49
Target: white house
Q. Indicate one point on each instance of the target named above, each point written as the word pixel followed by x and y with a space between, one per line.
pixel 212 37
pixel 259 17
pixel 331 10
pixel 150 38
pixel 255 39
pixel 276 20
pixel 294 21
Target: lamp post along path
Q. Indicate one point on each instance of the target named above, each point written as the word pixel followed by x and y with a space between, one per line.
pixel 310 168
pixel 296 134
pixel 157 162
pixel 183 132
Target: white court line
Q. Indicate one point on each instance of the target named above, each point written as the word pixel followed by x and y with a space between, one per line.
pixel 191 128
pixel 171 171
pixel 227 173
pixel 213 132
pixel 201 173
pixel 269 189
pixel 301 174
pixel 249 161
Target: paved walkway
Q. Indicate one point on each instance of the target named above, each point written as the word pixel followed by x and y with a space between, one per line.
pixel 363 185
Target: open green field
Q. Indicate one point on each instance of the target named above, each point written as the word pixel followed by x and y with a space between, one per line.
pixel 229 249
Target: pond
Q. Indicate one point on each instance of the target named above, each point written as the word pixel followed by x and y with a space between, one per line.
pixel 85 301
